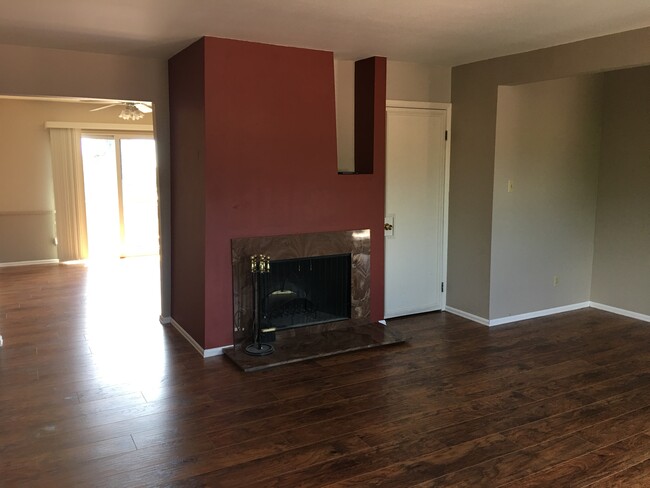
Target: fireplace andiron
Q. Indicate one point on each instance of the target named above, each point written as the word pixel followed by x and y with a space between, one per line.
pixel 260 264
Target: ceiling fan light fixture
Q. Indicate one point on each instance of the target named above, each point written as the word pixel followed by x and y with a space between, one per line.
pixel 143 107
pixel 130 112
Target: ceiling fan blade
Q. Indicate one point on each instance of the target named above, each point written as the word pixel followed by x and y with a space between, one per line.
pixel 145 108
pixel 105 106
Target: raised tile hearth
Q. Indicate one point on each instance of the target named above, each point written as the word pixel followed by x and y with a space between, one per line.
pixel 316 342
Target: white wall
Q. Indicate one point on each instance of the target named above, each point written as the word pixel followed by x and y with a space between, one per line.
pixel 548 145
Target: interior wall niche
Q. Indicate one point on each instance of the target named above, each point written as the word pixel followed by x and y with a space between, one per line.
pixel 545 187
pixel 344 97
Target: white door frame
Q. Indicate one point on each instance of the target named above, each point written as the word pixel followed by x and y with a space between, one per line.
pixel 445 211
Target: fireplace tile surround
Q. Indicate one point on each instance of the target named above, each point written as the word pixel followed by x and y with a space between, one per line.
pixel 354 242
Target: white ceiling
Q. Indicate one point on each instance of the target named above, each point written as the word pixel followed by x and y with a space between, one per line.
pixel 445 32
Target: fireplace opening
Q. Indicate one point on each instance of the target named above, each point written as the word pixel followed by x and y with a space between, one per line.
pixel 305 291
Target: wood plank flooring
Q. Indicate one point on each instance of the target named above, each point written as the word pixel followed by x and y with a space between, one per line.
pixel 95 392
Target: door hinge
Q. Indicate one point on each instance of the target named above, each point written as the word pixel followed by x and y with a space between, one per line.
pixel 442 287
pixel 446 135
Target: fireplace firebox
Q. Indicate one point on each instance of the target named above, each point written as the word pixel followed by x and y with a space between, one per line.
pixel 305 291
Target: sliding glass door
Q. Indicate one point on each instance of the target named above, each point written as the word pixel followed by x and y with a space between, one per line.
pixel 139 197
pixel 121 195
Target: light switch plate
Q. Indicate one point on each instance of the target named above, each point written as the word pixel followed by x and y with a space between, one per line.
pixel 390 220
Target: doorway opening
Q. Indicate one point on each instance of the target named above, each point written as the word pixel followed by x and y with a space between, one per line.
pixel 121 195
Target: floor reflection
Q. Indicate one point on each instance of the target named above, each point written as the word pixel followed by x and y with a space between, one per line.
pixel 122 306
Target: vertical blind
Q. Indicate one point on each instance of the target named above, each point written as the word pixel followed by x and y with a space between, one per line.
pixel 69 199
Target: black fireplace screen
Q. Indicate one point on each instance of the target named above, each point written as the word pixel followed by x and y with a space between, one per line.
pixel 305 291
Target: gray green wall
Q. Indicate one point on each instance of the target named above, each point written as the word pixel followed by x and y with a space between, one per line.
pixel 474 98
pixel 621 268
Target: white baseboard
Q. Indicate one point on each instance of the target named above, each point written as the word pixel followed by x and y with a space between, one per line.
pixel 467 315
pixel 206 353
pixel 165 320
pixel 538 313
pixel 548 311
pixel 214 351
pixel 516 318
pixel 403 312
pixel 29 263
pixel 620 311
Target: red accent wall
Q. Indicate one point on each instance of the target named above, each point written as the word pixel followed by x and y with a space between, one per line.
pixel 271 166
pixel 369 113
pixel 187 130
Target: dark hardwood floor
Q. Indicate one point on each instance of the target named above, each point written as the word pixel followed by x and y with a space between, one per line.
pixel 94 392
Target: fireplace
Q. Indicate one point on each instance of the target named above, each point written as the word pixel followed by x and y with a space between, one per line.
pixel 313 298
pixel 291 296
pixel 305 291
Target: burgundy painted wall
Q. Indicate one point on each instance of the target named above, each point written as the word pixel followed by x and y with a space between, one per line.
pixel 271 165
pixel 187 131
pixel 369 113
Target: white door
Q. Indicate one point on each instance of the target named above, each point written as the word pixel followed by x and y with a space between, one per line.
pixel 415 196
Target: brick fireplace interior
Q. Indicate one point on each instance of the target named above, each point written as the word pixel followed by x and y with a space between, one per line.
pixel 253 146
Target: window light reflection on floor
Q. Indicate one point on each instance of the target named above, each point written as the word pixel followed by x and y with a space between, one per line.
pixel 122 306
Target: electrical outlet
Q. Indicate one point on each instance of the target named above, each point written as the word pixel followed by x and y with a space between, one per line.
pixel 510 186
pixel 556 280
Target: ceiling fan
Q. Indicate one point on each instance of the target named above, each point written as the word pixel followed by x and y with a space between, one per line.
pixel 130 110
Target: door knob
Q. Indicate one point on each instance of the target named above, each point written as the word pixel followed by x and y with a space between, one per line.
pixel 388 226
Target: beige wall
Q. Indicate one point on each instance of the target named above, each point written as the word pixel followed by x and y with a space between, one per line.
pixel 27 236
pixel 621 269
pixel 404 81
pixel 52 72
pixel 418 82
pixel 344 95
pixel 26 194
pixel 474 99
pixel 548 147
